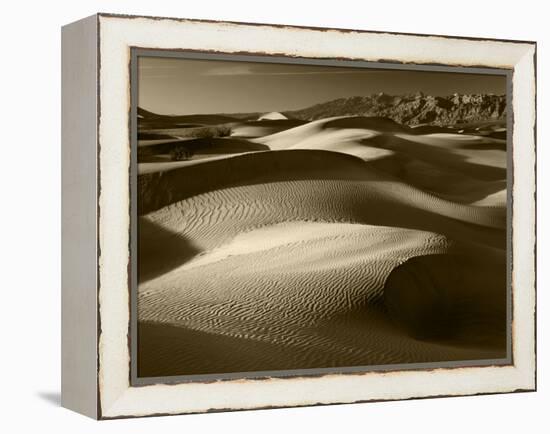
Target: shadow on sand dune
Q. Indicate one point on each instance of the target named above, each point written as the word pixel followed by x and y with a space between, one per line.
pixel 446 183
pixel 214 145
pixel 166 350
pixel 381 124
pixel 380 204
pixel 160 250
pixel 493 146
pixel 437 156
pixel 159 189
pixel 452 297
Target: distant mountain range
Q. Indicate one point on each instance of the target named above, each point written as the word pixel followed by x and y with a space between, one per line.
pixel 413 109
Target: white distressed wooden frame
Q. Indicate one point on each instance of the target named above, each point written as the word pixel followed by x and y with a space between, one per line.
pixel 96 215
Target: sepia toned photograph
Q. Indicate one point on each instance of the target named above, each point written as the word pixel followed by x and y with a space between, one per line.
pixel 292 217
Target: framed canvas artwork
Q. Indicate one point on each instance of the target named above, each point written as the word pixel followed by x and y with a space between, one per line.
pixel 261 216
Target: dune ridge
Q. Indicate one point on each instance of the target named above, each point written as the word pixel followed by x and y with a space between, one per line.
pixel 310 168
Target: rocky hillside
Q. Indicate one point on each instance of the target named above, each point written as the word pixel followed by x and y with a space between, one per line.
pixel 412 109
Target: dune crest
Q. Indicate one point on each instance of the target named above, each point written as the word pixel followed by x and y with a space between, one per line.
pixel 272 116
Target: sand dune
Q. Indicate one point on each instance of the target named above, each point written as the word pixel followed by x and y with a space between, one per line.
pixel 475 149
pixel 211 146
pixel 497 199
pixel 346 141
pixel 327 180
pixel 452 185
pixel 154 142
pixel 263 127
pixel 272 116
pixel 326 309
pixel 356 126
pixel 208 221
pixel 159 164
pixel 452 296
pixel 337 242
pixel 374 138
pixel 292 136
pixel 442 156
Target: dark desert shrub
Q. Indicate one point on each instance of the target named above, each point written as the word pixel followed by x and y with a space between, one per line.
pixel 204 132
pixel 181 153
pixel 210 132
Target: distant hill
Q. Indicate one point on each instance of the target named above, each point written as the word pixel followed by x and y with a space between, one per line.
pixel 413 109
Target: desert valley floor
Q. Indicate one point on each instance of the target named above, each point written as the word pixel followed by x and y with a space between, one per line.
pixel 276 243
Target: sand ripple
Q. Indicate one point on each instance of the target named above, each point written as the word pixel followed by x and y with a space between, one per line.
pixel 312 289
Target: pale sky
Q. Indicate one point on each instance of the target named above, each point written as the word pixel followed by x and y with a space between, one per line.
pixel 183 86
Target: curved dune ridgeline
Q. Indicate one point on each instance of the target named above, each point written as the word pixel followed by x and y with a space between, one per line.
pixel 263 127
pixel 338 242
pixel 210 146
pixel 317 170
